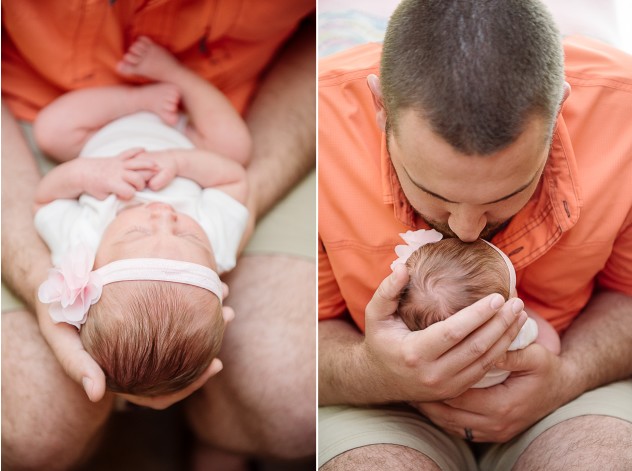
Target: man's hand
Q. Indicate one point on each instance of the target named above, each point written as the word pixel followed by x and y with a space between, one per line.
pixel 536 387
pixel 65 343
pixel 442 361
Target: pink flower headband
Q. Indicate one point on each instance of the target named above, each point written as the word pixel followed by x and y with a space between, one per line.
pixel 416 239
pixel 73 287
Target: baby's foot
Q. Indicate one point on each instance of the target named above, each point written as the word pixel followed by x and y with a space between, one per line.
pixel 160 98
pixel 147 59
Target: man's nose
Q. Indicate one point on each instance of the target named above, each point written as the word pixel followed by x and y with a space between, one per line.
pixel 467 223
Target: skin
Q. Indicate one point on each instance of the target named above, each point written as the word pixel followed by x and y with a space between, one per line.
pixel 155 230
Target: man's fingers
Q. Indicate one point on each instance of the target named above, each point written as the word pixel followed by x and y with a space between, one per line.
pixel 444 335
pixel 93 380
pixel 228 313
pixel 526 359
pixel 66 344
pixel 386 297
pixel 481 358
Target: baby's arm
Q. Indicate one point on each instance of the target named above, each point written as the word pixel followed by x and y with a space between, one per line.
pixel 547 335
pixel 99 177
pixel 207 169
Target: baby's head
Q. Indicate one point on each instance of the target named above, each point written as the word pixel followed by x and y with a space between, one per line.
pixel 449 275
pixel 158 322
pixel 153 338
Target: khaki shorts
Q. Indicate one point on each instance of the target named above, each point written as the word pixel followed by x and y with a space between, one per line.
pixel 343 428
pixel 288 229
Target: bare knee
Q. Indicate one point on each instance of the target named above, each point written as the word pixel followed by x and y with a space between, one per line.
pixel 274 416
pixel 582 443
pixel 381 457
pixel 287 428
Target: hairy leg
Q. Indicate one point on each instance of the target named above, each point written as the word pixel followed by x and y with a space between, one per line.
pixel 47 421
pixel 63 127
pixel 215 124
pixel 264 400
pixel 582 443
pixel 381 457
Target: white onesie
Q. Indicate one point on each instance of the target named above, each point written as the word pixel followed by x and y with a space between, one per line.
pixel 65 223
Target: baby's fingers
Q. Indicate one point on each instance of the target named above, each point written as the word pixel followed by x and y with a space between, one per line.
pixel 160 180
pixel 136 179
pixel 124 190
pixel 140 163
pixel 129 153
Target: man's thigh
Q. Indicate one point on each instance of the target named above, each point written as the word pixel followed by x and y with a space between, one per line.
pixel 595 426
pixel 47 421
pixel 264 400
pixel 356 436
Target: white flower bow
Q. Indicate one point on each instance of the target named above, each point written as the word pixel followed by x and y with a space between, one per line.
pixel 414 240
pixel 72 287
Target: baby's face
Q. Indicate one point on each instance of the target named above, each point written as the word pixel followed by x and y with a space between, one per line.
pixel 155 230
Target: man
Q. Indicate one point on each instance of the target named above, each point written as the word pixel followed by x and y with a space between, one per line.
pixel 477 135
pixel 266 68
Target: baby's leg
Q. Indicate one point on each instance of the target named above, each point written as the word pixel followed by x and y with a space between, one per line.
pixel 215 124
pixel 63 127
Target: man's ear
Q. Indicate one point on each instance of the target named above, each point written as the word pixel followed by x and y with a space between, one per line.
pixel 565 95
pixel 378 100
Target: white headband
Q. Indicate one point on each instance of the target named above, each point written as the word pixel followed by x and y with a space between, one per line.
pixel 161 269
pixel 512 270
pixel 416 239
pixel 73 287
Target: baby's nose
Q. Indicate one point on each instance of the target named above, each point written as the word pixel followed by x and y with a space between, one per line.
pixel 160 207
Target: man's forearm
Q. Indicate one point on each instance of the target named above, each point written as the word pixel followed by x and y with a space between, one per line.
pixel 343 376
pixel 598 345
pixel 25 258
pixel 282 122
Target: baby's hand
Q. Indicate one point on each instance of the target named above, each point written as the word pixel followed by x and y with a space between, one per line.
pixel 122 175
pixel 164 165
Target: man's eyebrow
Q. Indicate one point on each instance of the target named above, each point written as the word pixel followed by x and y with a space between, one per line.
pixel 431 193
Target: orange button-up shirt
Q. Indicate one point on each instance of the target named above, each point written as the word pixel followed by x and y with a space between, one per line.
pixel 574 234
pixel 50 47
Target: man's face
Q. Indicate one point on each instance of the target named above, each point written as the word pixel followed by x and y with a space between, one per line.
pixel 466 196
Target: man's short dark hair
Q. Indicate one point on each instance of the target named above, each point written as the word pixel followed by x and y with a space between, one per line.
pixel 477 70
